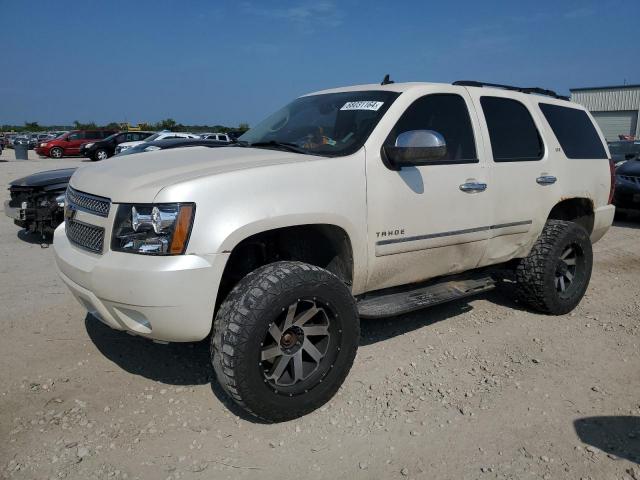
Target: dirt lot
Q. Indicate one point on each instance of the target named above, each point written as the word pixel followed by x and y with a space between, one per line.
pixel 474 389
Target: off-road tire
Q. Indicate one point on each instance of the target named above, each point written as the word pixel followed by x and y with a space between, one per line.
pixel 245 317
pixel 536 274
pixel 56 152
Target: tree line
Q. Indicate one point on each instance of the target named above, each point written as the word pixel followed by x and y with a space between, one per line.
pixel 166 124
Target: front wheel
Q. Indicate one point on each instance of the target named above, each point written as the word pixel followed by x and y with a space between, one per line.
pixel 56 152
pixel 284 340
pixel 555 275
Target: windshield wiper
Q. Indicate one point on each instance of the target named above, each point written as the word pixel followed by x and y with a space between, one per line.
pixel 289 147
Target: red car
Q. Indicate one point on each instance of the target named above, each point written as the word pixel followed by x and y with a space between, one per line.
pixel 69 143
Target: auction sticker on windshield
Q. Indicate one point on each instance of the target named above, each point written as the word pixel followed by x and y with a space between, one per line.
pixel 362 105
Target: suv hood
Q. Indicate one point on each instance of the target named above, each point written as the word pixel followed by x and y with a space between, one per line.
pixel 44 179
pixel 139 177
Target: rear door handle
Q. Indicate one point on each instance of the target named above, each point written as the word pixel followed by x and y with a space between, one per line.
pixel 546 180
pixel 473 187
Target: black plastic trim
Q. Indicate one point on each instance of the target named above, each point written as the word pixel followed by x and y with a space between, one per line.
pixel 453 232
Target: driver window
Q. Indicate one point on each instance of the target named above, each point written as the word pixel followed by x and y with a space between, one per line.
pixel 446 114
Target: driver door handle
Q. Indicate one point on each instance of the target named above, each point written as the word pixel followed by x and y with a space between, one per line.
pixel 546 180
pixel 473 187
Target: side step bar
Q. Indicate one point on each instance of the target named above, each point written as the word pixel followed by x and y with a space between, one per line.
pixel 391 303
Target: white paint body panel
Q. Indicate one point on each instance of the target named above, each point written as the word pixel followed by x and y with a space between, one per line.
pixel 239 192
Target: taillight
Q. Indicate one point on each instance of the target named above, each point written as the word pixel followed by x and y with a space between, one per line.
pixel 612 190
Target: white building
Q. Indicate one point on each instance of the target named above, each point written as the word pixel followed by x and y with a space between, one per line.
pixel 615 108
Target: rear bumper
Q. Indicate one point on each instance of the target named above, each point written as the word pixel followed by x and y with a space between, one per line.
pixel 163 298
pixel 602 221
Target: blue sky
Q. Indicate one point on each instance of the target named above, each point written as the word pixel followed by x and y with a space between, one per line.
pixel 232 61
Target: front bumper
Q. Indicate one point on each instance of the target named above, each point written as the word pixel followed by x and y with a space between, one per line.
pixel 43 151
pixel 168 298
pixel 16 213
pixel 86 152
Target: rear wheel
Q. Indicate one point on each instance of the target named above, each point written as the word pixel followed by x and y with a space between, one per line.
pixel 56 152
pixel 100 155
pixel 555 275
pixel 284 340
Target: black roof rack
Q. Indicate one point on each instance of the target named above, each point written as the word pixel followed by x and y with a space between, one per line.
pixel 535 90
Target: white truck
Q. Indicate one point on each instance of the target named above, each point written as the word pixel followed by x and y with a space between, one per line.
pixel 359 202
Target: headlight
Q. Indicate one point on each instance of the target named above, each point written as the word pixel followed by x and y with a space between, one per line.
pixel 43 145
pixel 161 229
pixel 60 200
pixel 88 145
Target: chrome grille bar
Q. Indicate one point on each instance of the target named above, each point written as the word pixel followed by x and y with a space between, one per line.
pixel 87 202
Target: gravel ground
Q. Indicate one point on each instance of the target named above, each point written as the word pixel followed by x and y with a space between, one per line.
pixel 479 388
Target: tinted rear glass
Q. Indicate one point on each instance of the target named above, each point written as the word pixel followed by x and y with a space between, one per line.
pixel 575 131
pixel 514 136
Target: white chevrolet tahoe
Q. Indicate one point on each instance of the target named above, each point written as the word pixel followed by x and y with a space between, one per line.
pixel 359 202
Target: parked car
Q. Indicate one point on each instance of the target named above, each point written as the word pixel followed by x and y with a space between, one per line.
pixel 369 201
pixel 106 148
pixel 8 139
pixel 156 136
pixel 627 195
pixel 69 143
pixel 171 143
pixel 221 137
pixel 37 201
pixel 624 150
pixel 33 140
pixel 20 140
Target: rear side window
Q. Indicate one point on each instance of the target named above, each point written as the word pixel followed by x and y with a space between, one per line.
pixel 76 136
pixel 575 131
pixel 514 136
pixel 446 114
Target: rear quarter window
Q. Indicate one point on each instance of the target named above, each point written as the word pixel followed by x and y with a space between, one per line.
pixel 574 130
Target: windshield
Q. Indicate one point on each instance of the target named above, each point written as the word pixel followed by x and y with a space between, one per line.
pixel 153 137
pixel 112 136
pixel 331 124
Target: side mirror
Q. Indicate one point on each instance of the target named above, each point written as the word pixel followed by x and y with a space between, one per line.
pixel 416 147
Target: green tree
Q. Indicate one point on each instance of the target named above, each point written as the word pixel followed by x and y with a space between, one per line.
pixel 32 127
pixel 84 126
pixel 166 124
pixel 243 126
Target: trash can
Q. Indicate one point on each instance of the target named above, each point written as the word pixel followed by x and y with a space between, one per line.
pixel 21 151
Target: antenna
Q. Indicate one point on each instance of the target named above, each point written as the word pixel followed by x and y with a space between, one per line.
pixel 386 80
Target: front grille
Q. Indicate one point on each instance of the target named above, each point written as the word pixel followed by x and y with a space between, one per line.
pixel 630 178
pixel 89 203
pixel 89 237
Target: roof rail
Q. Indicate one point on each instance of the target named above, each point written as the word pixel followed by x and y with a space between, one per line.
pixel 534 90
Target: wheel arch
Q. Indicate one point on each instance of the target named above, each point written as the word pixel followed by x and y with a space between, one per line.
pixel 577 209
pixel 325 245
